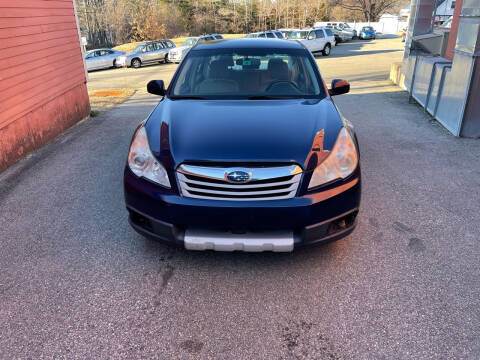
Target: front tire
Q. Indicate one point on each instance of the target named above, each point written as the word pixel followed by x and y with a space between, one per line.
pixel 326 50
pixel 136 63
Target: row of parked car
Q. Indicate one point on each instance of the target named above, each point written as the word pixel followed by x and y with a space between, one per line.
pixel 150 52
pixel 319 39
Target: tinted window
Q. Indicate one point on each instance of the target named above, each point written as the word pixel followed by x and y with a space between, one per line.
pixel 329 32
pixel 319 34
pixel 279 34
pixel 270 35
pixel 243 73
pixel 98 53
pixel 262 35
pixel 297 34
pixel 150 47
pixel 218 36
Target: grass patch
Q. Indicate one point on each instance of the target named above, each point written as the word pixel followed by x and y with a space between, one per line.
pixel 94 113
pixel 178 42
pixel 101 100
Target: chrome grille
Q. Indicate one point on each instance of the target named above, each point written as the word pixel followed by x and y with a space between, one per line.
pixel 266 183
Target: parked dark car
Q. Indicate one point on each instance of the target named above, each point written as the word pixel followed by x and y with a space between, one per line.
pixel 245 151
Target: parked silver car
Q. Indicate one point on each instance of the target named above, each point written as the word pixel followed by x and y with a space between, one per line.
pixel 101 58
pixel 147 53
pixel 342 31
pixel 176 55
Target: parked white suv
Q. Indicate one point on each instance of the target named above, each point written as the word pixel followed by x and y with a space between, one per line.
pixel 316 40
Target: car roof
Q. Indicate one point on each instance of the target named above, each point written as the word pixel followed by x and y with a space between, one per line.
pixel 249 43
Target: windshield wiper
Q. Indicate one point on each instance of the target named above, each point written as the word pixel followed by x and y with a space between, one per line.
pixel 187 97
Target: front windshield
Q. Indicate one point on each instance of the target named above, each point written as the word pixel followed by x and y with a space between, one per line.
pixel 139 48
pixel 189 42
pixel 298 35
pixel 367 28
pixel 247 73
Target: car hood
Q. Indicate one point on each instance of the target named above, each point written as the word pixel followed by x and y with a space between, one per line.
pixel 247 131
pixel 132 54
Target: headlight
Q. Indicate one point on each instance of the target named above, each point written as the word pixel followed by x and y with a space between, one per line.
pixel 142 162
pixel 340 163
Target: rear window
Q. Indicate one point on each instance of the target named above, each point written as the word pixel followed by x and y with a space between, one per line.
pixel 297 34
pixel 246 73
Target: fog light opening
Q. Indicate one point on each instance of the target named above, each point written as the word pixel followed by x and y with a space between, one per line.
pixel 140 220
pixel 342 223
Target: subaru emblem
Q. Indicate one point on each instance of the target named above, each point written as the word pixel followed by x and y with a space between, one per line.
pixel 238 177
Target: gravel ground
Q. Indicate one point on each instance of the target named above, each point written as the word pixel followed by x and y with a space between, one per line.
pixel 77 282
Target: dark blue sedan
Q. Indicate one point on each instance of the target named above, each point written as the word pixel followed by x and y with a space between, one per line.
pixel 245 151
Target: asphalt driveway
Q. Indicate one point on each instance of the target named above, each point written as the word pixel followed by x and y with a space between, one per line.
pixel 77 282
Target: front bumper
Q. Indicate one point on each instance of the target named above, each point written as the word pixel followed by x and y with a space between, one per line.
pixel 313 218
pixel 122 62
pixel 175 57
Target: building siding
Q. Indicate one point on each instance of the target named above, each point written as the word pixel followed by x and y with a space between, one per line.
pixel 42 76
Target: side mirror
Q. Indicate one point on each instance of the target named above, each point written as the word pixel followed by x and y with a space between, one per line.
pixel 339 87
pixel 156 87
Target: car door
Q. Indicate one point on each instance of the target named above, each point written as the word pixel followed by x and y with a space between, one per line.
pixel 106 58
pixel 98 60
pixel 90 60
pixel 310 41
pixel 321 40
pixel 159 51
pixel 149 55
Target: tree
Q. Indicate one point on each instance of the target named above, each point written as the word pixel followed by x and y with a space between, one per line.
pixel 371 10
